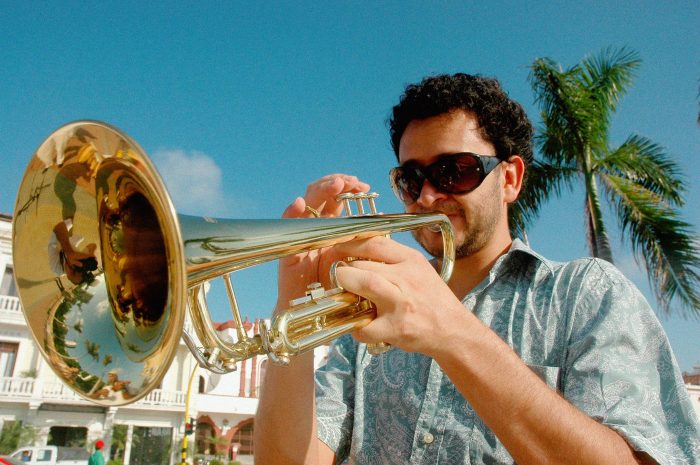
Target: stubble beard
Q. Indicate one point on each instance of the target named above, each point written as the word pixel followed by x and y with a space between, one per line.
pixel 479 227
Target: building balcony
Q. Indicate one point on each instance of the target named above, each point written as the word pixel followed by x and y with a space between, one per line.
pixel 223 404
pixel 11 310
pixel 37 391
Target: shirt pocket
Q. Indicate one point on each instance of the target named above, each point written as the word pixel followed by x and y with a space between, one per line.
pixel 548 374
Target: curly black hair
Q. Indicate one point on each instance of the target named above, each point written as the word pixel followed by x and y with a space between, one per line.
pixel 502 121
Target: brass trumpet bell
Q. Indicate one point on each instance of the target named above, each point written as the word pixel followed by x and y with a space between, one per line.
pixel 106 268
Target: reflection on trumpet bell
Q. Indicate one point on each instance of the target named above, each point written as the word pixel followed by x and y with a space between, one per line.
pixel 134 257
pixel 113 344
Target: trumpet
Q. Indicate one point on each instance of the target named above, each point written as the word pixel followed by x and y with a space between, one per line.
pixel 106 269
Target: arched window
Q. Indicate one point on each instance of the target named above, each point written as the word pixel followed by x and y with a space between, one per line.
pixel 203 439
pixel 244 437
pixel 202 383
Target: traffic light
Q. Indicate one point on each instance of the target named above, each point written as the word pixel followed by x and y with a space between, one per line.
pixel 190 426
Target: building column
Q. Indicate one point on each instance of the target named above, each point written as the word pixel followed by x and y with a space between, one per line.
pixel 107 427
pixel 254 366
pixel 127 447
pixel 241 391
pixel 31 418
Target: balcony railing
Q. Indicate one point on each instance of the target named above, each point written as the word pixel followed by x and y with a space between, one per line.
pixel 164 398
pixel 57 391
pixel 16 387
pixel 54 391
pixel 10 303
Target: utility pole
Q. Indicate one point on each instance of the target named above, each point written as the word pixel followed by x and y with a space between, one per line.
pixel 189 423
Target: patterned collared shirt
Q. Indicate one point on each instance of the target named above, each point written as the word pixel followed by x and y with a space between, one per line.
pixel 581 326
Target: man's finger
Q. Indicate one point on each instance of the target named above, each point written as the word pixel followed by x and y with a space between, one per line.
pixel 321 194
pixel 378 249
pixel 367 284
pixel 295 209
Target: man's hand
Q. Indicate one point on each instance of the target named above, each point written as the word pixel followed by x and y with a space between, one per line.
pixel 298 271
pixel 413 303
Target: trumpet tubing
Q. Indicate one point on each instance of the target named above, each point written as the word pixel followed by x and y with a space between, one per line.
pixel 106 268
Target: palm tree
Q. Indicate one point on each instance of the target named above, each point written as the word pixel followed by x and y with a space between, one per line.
pixel 16 434
pixel 639 179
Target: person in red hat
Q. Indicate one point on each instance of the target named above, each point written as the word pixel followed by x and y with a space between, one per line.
pixel 97 458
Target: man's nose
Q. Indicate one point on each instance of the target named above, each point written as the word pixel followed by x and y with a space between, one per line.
pixel 429 194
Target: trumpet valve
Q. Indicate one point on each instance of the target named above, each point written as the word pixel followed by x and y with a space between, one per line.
pixel 359 199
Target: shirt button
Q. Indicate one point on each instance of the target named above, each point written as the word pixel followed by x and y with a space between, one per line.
pixel 428 438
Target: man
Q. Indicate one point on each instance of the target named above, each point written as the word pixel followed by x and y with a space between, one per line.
pixel 97 458
pixel 67 252
pixel 516 359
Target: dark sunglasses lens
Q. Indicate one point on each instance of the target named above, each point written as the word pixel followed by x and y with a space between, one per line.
pixel 458 174
pixel 407 183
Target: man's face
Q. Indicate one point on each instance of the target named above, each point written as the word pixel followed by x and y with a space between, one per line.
pixel 474 215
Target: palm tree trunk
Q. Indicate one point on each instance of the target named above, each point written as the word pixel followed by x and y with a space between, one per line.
pixel 598 241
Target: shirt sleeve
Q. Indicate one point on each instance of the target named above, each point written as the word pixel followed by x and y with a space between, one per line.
pixel 335 396
pixel 621 371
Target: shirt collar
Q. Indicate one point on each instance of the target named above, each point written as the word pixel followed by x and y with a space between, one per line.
pixel 519 252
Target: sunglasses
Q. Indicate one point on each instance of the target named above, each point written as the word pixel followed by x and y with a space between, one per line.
pixel 456 173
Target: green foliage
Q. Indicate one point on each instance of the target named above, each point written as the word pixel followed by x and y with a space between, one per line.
pixel 150 445
pixel 14 434
pixel 219 443
pixel 115 462
pixel 119 433
pixel 216 462
pixel 31 373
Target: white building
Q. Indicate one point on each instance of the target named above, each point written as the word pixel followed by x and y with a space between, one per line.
pixel 223 405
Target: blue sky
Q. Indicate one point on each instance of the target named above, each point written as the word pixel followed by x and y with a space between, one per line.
pixel 241 105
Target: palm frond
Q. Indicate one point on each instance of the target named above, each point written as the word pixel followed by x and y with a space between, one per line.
pixel 646 163
pixel 570 113
pixel 563 105
pixel 663 241
pixel 609 74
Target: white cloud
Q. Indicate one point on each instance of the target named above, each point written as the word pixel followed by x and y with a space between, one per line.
pixel 194 182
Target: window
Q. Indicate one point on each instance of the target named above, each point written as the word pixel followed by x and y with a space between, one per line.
pixel 8 287
pixel 67 436
pixel 44 455
pixel 244 436
pixel 8 355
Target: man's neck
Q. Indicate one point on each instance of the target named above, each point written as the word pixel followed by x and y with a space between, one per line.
pixel 471 270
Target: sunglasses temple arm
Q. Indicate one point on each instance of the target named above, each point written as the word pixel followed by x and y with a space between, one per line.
pixel 490 163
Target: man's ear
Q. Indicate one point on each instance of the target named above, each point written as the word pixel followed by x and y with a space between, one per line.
pixel 514 172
